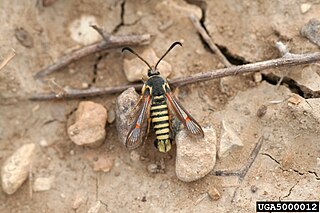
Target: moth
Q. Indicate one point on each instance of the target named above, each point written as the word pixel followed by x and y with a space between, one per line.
pixel 157 105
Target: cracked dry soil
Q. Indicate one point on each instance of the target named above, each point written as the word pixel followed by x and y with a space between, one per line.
pixel 287 168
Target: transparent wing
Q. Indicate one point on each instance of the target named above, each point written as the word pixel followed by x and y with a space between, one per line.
pixel 187 120
pixel 138 130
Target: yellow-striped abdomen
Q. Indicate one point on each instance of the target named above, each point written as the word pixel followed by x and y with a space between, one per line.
pixel 160 121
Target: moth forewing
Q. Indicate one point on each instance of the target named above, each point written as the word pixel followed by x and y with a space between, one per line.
pixel 138 130
pixel 182 114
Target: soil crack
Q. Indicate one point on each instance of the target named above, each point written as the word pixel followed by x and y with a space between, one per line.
pixel 291 169
pixel 294 86
pixel 116 29
pixel 290 191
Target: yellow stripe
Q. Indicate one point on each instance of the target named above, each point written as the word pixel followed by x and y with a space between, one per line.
pixel 161 126
pixel 163 118
pixel 158 97
pixel 159 107
pixel 161 131
pixel 159 113
pixel 161 137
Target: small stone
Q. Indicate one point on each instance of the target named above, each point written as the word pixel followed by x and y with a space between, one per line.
pixel 214 194
pixel 95 208
pixel 196 157
pixel 262 111
pixel 80 31
pixel 80 199
pixel 257 77
pixel 43 142
pixel 254 189
pixel 229 140
pixel 24 37
pixel 85 85
pixel 42 184
pixel 144 199
pixel 305 7
pixel 312 31
pixel 295 99
pixel 16 168
pixel 125 106
pixel 89 127
pixel 153 168
pixel 136 70
pixel 103 163
pixel 111 116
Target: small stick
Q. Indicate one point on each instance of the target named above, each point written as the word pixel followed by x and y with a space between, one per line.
pixel 209 41
pixel 7 59
pixel 78 93
pixel 292 60
pixel 241 173
pixel 111 42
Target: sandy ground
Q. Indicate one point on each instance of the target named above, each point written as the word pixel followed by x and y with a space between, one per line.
pixel 287 168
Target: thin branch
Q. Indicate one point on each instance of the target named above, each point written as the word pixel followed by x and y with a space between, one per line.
pixel 78 93
pixel 241 173
pixel 7 59
pixel 292 60
pixel 209 41
pixel 296 59
pixel 108 43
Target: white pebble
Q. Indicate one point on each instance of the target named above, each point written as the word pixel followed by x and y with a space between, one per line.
pixel 16 168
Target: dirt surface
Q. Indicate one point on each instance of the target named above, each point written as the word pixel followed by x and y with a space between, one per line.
pixel 287 168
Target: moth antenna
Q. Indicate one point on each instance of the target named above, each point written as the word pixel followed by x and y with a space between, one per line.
pixel 170 48
pixel 133 52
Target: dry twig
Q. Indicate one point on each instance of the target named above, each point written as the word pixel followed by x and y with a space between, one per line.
pixel 108 42
pixel 209 41
pixel 7 59
pixel 292 60
pixel 241 173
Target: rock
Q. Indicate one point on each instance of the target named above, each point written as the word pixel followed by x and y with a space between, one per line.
pixel 307 77
pixel 136 70
pixel 305 7
pixel 213 193
pixel 229 140
pixel 153 168
pixel 257 77
pixel 43 142
pixel 42 184
pixel 262 111
pixel 16 168
pixel 125 105
pixel 295 99
pixel 196 157
pixel 312 31
pixel 24 37
pixel 95 208
pixel 80 198
pixel 111 116
pixel 89 127
pixel 81 32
